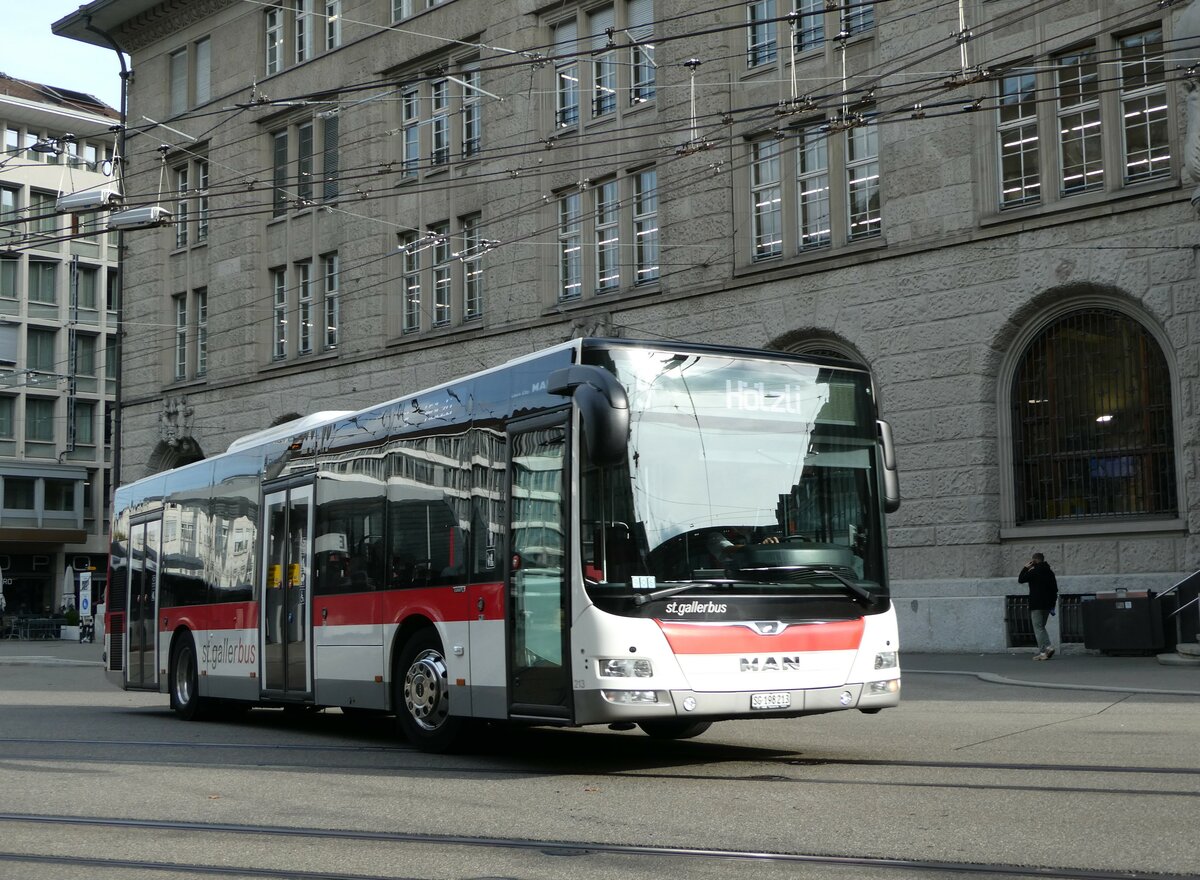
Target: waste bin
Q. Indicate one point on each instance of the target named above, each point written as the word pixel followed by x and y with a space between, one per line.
pixel 1124 621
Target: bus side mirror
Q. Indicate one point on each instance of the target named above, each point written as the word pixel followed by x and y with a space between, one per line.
pixel 891 476
pixel 603 409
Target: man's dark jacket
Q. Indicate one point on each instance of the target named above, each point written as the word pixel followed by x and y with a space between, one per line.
pixel 1043 588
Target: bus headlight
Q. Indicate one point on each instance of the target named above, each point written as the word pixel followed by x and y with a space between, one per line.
pixel 885 660
pixel 876 688
pixel 630 696
pixel 625 668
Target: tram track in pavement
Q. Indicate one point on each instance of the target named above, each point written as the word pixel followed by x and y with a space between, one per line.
pixel 699 753
pixel 577 849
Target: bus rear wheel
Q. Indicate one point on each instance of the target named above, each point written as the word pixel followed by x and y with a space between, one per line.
pixel 422 695
pixel 674 729
pixel 185 680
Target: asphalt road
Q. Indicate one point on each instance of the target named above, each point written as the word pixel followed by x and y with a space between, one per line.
pixel 966 779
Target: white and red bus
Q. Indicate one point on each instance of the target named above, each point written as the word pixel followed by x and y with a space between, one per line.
pixel 604 532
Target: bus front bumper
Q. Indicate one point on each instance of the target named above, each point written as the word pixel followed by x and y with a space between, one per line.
pixel 609 705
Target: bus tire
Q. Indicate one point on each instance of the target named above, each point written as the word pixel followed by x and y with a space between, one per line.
pixel 422 695
pixel 186 701
pixel 676 728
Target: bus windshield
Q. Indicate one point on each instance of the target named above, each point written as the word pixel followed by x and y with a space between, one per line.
pixel 756 473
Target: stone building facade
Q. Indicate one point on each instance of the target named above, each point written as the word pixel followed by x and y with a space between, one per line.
pixel 987 205
pixel 58 322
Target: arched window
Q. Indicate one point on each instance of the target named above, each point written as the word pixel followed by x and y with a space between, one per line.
pixel 1092 422
pixel 821 346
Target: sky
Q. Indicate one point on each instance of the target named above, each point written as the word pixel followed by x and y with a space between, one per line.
pixel 32 52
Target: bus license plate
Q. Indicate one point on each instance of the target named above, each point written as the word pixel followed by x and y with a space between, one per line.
pixel 779 700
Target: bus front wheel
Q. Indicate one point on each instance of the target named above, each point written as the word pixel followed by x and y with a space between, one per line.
pixel 185 680
pixel 674 729
pixel 422 695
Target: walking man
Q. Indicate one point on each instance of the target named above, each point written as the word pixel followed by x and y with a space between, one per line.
pixel 1043 597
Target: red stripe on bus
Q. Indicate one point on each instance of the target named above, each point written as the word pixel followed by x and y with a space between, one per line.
pixel 439 604
pixel 842 635
pixel 227 615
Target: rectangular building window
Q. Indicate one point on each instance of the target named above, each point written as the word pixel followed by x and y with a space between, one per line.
pixel 440 234
pixel 7 408
pixel 641 55
pixel 41 350
pixel 766 198
pixel 761 41
pixel 85 355
pixel 1146 128
pixel 274 40
pixel 201 297
pixel 857 17
pixel 43 209
pixel 411 281
pixel 1020 168
pixel 9 208
pixel 43 282
pixel 110 357
pixel 812 183
pixel 608 236
pixel 279 160
pixel 333 24
pixel 304 297
pixel 177 64
pixel 180 303
pixel 201 200
pixel 810 24
pixel 410 132
pixel 472 113
pixel 181 207
pixel 302 20
pixel 566 74
pixel 472 263
pixel 440 122
pixel 304 163
pixel 279 316
pixel 9 267
pixel 203 71
pixel 85 423
pixel 570 247
pixel 601 23
pixel 862 182
pixel 18 491
pixel 87 281
pixel 1080 148
pixel 39 420
pixel 330 159
pixel 333 302
pixel 645 226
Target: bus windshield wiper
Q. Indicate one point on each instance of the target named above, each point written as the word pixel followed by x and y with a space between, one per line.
pixel 859 593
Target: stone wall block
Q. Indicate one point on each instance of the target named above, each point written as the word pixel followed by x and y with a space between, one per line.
pixel 971 533
pixel 912 537
pixel 1148 554
pixel 1097 555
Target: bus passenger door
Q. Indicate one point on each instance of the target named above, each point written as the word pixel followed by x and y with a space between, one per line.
pixel 539 682
pixel 141 627
pixel 287 578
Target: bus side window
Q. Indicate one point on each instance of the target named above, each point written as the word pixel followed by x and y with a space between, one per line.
pixel 348 546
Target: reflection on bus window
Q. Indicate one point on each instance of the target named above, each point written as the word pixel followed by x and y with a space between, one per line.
pixel 425 544
pixel 348 544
